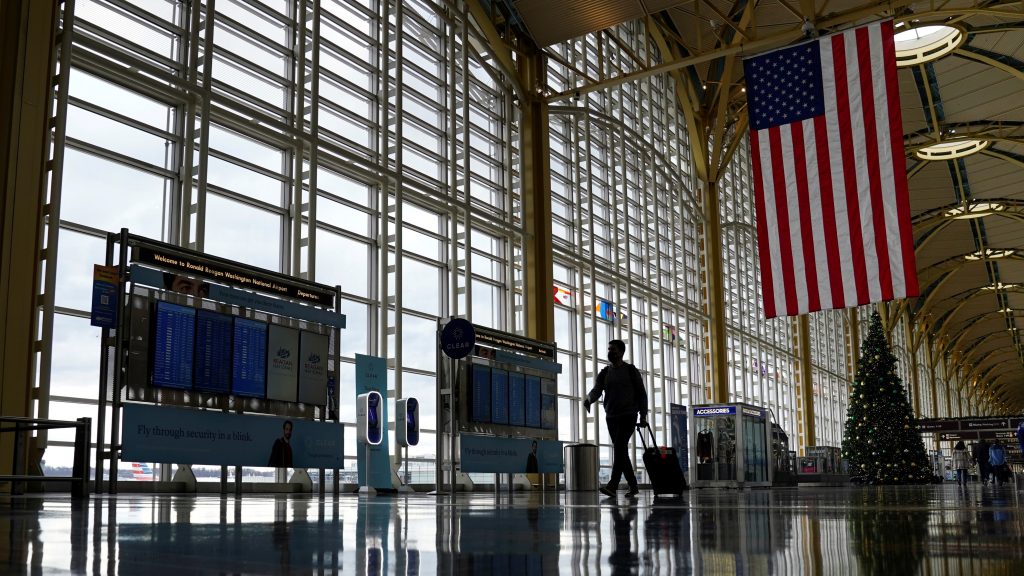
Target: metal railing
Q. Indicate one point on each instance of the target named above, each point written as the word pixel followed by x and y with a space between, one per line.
pixel 80 469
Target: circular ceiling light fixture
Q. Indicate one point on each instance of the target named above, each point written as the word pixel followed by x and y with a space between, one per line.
pixel 952 149
pixel 922 44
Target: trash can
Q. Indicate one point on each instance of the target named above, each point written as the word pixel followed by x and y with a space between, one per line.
pixel 581 467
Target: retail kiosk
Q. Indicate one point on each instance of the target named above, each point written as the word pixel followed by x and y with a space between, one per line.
pixel 729 446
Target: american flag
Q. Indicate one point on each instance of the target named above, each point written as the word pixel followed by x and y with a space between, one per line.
pixel 833 214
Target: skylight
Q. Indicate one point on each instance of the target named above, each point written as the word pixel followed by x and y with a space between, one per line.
pixel 926 43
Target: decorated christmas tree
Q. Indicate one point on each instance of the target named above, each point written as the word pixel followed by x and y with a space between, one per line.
pixel 881 439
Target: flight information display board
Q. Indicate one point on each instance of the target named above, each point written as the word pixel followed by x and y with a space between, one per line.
pixel 173 346
pixel 516 399
pixel 532 402
pixel 499 396
pixel 249 359
pixel 480 393
pixel 213 352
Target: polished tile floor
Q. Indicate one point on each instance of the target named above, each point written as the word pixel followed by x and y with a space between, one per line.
pixel 869 530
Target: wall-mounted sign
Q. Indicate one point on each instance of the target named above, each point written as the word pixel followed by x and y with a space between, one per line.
pixel 458 338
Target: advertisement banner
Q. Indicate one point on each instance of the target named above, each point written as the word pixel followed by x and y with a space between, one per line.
pixel 372 374
pixel 104 296
pixel 677 421
pixel 282 363
pixel 313 368
pixel 186 436
pixel 509 455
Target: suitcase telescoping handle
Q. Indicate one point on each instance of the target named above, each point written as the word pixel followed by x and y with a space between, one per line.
pixel 640 430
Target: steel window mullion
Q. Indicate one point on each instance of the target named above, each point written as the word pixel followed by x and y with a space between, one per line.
pixel 237 97
pixel 119 48
pixel 126 120
pixel 84 229
pixel 144 17
pixel 215 153
pixel 247 200
pixel 243 64
pixel 83 27
pixel 344 84
pixel 117 157
pixel 339 25
pixel 251 36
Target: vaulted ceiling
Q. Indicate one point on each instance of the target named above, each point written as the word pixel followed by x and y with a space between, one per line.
pixel 967 211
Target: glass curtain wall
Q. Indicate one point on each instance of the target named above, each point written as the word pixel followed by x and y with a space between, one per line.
pixel 625 234
pixel 831 375
pixel 762 360
pixel 357 143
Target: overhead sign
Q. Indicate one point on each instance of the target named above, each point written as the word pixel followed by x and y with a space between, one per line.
pixel 496 339
pixel 458 338
pixel 252 279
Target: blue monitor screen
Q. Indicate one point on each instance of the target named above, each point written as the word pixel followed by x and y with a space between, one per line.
pixel 173 345
pixel 533 401
pixel 249 360
pixel 516 399
pixel 213 352
pixel 480 393
pixel 499 396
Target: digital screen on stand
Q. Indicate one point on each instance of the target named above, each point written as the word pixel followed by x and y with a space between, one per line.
pixel 249 359
pixel 213 352
pixel 516 399
pixel 173 346
pixel 499 396
pixel 480 393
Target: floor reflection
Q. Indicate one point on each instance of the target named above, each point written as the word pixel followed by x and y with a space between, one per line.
pixel 868 530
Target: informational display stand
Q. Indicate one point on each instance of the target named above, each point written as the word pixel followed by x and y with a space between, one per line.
pixel 208 336
pixel 730 446
pixel 496 402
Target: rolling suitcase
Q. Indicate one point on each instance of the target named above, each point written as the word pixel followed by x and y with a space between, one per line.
pixel 662 466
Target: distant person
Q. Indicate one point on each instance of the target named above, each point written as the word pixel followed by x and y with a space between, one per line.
pixel 980 454
pixel 961 462
pixel 186 285
pixel 624 398
pixel 997 463
pixel 531 460
pixel 281 453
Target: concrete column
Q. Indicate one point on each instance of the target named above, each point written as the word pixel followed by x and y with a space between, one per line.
pixel 536 178
pixel 27 30
pixel 716 294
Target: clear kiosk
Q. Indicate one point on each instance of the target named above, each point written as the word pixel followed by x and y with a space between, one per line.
pixel 729 446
